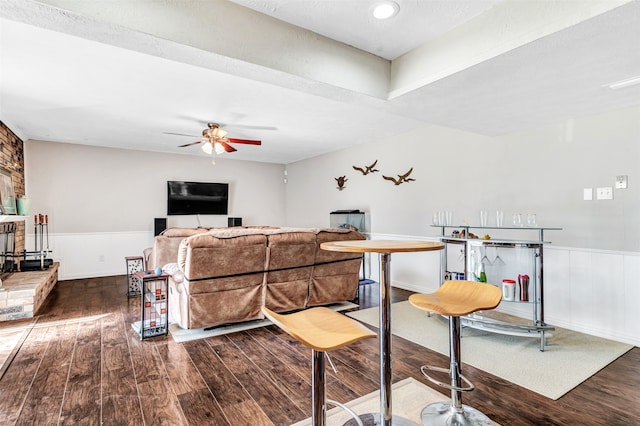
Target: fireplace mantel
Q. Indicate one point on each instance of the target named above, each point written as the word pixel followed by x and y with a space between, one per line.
pixel 12 218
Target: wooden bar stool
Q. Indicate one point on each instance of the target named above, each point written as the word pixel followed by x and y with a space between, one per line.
pixel 322 330
pixel 455 299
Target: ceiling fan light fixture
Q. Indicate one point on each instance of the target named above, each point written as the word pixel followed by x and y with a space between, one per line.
pixel 385 10
pixel 214 141
pixel 219 148
pixel 207 148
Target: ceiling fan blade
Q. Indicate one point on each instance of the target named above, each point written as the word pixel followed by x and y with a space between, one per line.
pixel 245 141
pixel 227 147
pixel 179 134
pixel 189 144
pixel 249 126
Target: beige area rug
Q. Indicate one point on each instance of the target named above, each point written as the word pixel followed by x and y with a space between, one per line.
pixel 181 335
pixel 569 358
pixel 409 397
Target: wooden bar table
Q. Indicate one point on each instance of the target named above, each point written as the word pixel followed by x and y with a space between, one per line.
pixel 384 248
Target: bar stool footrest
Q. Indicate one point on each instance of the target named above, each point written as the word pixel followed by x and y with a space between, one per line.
pixel 445 414
pixel 426 368
pixel 374 419
pixel 352 413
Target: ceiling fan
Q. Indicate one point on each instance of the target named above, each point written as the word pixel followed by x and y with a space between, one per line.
pixel 214 140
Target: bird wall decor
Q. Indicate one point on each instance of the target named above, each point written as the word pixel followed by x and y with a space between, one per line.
pixel 341 181
pixel 367 169
pixel 401 178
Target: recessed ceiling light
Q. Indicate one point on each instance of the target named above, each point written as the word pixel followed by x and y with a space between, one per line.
pixel 385 10
pixel 624 83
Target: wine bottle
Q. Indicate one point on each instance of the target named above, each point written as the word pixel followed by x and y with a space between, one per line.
pixel 483 275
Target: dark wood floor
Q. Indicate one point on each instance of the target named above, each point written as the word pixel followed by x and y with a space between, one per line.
pixel 83 364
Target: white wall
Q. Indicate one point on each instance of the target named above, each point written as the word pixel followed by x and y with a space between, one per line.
pixel 101 202
pixel 541 171
pixel 591 268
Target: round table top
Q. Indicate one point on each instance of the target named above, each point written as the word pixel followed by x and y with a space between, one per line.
pixel 381 246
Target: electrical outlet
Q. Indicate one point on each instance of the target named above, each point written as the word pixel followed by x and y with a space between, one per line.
pixel 605 193
pixel 587 194
pixel 621 182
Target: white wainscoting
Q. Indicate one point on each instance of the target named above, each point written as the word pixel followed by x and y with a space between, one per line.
pixel 592 291
pixel 94 254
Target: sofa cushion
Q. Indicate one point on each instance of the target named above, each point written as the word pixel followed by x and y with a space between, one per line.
pixel 336 234
pixel 223 307
pixel 334 273
pixel 291 250
pixel 290 261
pixel 165 245
pixel 236 262
pixel 183 232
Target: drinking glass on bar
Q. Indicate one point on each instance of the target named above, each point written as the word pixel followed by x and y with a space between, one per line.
pixel 517 219
pixel 483 218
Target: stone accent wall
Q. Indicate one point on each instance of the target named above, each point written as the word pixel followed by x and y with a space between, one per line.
pixel 12 160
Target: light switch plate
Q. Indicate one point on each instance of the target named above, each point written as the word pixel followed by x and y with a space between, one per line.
pixel 605 193
pixel 588 194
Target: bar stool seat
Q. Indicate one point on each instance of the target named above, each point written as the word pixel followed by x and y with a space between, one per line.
pixel 322 330
pixel 455 299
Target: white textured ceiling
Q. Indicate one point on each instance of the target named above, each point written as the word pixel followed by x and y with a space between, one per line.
pixel 352 22
pixel 306 77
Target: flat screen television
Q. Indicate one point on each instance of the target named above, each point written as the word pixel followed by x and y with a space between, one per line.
pixel 197 198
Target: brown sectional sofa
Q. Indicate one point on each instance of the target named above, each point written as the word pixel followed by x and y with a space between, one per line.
pixel 226 275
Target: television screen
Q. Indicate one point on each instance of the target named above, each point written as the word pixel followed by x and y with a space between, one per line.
pixel 197 198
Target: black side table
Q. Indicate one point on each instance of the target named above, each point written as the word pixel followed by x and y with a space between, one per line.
pixel 154 304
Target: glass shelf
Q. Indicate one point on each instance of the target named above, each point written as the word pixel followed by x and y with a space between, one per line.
pixel 495 242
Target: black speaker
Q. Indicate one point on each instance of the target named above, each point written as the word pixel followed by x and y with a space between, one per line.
pixel 159 225
pixel 234 221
